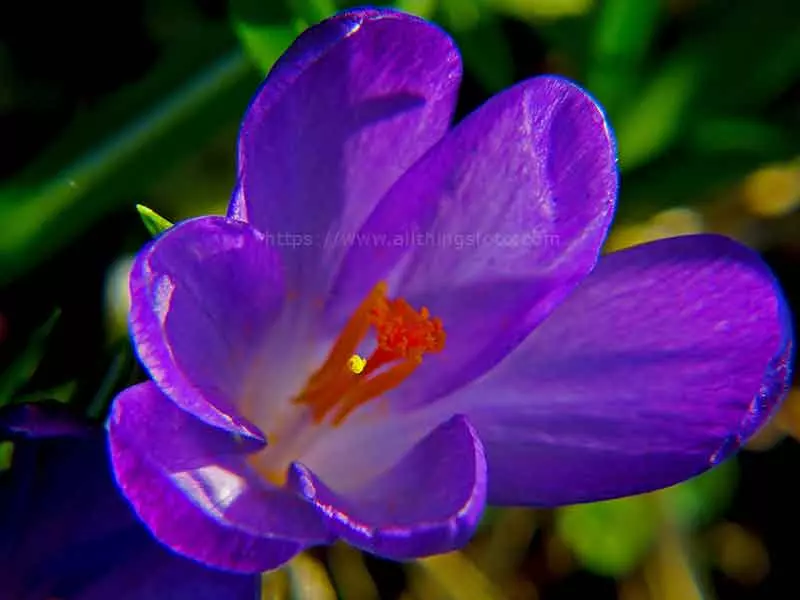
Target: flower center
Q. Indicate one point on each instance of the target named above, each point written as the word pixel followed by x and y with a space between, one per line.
pixel 346 380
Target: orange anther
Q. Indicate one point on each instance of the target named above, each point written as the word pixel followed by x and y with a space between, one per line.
pixel 403 337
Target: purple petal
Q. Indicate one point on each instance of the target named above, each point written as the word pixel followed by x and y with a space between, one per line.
pixel 204 296
pixel 660 365
pixel 43 420
pixel 350 106
pixel 65 532
pixel 428 503
pixel 156 574
pixel 509 210
pixel 191 485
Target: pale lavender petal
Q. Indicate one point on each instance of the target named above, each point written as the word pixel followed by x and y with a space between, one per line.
pixel 204 296
pixel 658 366
pixel 192 486
pixel 350 106
pixel 427 503
pixel 492 228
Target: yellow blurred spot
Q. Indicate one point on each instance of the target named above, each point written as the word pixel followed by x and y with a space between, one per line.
pixel 788 417
pixel 625 236
pixel 668 223
pixel 275 585
pixel 677 221
pixel 766 437
pixel 773 191
pixel 456 577
pixel 499 554
pixel 560 560
pixel 669 574
pixel 522 589
pixel 117 297
pixel 786 421
pixel 739 553
pixel 356 363
pixel 633 588
pixel 309 579
pixel 352 578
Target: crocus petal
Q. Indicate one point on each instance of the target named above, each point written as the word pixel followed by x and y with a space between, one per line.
pixel 42 420
pixel 191 485
pixel 66 532
pixel 204 296
pixel 508 211
pixel 663 362
pixel 350 106
pixel 428 503
pixel 155 573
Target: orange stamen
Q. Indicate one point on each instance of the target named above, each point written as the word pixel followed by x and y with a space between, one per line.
pixel 372 388
pixel 403 336
pixel 353 333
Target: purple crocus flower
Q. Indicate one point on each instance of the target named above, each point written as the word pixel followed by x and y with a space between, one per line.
pixel 67 533
pixel 398 322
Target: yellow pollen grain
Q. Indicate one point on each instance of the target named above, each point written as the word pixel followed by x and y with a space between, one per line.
pixel 356 363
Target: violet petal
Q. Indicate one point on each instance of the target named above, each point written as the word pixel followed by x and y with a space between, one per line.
pixel 191 485
pixel 660 365
pixel 204 295
pixel 508 211
pixel 66 532
pixel 349 107
pixel 43 419
pixel 428 503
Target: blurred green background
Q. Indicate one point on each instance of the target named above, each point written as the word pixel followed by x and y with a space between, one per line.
pixel 107 105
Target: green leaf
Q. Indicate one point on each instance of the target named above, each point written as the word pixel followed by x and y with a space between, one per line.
pixel 312 11
pixel 6 455
pixel 62 393
pixel 421 8
pixel 116 377
pixel 623 32
pixel 266 29
pixel 734 134
pixel 541 11
pixel 698 501
pixel 22 368
pixel 751 53
pixel 179 107
pixel 154 222
pixel 570 39
pixel 710 72
pixel 264 43
pixel 610 538
pixel 483 44
pixel 654 120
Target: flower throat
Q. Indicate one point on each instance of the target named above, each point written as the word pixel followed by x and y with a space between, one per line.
pixel 346 380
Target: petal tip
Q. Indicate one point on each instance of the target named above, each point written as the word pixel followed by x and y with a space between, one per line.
pixel 373 523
